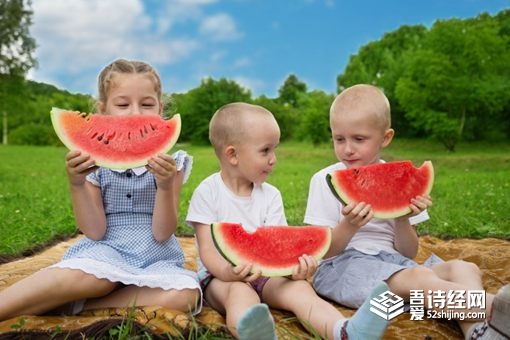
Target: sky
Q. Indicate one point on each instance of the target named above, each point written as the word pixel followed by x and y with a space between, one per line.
pixel 257 43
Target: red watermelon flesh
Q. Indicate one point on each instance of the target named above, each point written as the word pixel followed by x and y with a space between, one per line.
pixel 117 142
pixel 275 250
pixel 387 187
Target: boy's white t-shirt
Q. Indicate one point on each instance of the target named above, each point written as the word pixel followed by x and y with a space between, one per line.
pixel 324 209
pixel 212 201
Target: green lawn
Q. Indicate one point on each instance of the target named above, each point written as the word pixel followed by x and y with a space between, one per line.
pixel 471 190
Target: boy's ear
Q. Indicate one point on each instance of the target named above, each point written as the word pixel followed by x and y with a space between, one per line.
pixel 231 154
pixel 388 137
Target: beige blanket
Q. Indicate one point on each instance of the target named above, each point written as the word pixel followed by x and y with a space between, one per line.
pixel 491 255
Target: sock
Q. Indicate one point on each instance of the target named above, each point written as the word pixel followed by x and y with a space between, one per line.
pixel 476 331
pixel 497 327
pixel 365 324
pixel 256 323
pixel 77 307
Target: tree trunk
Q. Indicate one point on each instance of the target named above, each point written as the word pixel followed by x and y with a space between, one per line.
pixel 4 130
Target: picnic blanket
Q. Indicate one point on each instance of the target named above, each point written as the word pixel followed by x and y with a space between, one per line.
pixel 491 255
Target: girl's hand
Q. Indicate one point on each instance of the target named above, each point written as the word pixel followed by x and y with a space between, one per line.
pixel 78 166
pixel 162 166
pixel 242 273
pixel 306 269
pixel 358 214
pixel 419 204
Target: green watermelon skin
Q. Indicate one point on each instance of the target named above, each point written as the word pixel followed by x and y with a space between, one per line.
pixel 116 142
pixel 274 250
pixel 387 187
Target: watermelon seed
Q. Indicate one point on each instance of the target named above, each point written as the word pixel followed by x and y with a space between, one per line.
pixel 106 141
pixel 145 129
pixel 100 137
pixel 141 133
pixel 94 135
pixel 129 135
pixel 152 127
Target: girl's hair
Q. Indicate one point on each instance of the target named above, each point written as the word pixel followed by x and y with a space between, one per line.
pixel 124 66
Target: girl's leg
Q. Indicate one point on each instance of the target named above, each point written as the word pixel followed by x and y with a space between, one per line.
pixel 184 300
pixel 463 273
pixel 49 288
pixel 468 275
pixel 448 276
pixel 319 314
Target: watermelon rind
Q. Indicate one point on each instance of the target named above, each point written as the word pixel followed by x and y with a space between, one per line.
pixel 236 256
pixel 108 162
pixel 345 198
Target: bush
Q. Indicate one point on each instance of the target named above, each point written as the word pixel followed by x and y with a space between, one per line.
pixel 33 134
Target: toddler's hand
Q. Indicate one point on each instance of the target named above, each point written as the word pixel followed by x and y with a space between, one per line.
pixel 242 273
pixel 78 166
pixel 162 166
pixel 306 269
pixel 358 214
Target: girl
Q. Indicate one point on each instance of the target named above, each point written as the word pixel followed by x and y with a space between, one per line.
pixel 129 254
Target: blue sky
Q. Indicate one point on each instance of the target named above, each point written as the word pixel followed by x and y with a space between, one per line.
pixel 256 43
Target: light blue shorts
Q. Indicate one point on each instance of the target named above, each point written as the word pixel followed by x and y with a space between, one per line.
pixel 348 279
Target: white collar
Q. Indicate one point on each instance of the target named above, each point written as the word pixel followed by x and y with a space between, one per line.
pixel 138 171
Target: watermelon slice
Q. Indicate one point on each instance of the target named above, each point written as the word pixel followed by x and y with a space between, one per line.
pixel 387 187
pixel 117 142
pixel 272 249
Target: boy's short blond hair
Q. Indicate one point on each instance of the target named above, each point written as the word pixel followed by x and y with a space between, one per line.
pixel 364 97
pixel 228 124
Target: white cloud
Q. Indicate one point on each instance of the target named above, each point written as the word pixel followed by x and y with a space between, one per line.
pixel 253 84
pixel 220 27
pixel 179 11
pixel 81 36
pixel 242 62
pixel 75 34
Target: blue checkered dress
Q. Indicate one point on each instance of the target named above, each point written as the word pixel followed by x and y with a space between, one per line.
pixel 128 253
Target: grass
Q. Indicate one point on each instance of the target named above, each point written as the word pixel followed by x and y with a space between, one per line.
pixel 470 190
pixel 470 196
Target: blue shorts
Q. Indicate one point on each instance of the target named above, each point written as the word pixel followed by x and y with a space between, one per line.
pixel 349 278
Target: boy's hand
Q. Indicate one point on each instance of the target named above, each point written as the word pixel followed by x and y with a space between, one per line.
pixel 162 166
pixel 358 214
pixel 242 273
pixel 78 166
pixel 306 269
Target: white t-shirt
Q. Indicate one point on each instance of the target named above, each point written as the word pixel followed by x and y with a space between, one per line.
pixel 324 209
pixel 212 201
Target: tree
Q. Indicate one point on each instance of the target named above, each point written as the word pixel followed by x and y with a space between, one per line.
pixel 380 63
pixel 290 90
pixel 16 51
pixel 199 104
pixel 314 125
pixel 457 83
pixel 16 44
